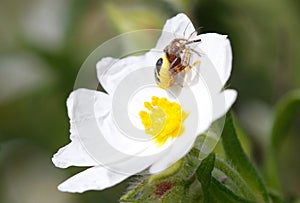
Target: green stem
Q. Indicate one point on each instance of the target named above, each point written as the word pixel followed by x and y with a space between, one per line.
pixel 132 192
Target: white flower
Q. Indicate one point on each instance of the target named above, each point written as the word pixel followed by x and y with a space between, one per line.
pixel 138 126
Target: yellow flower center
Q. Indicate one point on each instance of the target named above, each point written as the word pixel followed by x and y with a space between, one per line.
pixel 163 120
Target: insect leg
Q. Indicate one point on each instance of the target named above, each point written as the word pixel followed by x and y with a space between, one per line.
pixel 175 63
pixel 194 32
pixel 193 41
pixel 186 57
pixel 196 52
pixel 188 68
pixel 186 28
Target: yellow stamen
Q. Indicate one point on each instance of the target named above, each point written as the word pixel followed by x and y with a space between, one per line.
pixel 148 106
pixel 164 119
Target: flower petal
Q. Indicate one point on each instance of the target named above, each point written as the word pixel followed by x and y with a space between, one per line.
pixel 180 147
pixel 100 140
pixel 74 154
pixel 110 71
pixel 79 102
pixel 97 139
pixel 229 95
pixel 205 105
pixel 198 121
pixel 217 48
pixel 96 178
pixel 180 26
pixel 212 106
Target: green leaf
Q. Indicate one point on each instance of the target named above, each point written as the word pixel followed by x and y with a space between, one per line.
pixel 242 136
pixel 285 112
pixel 239 182
pixel 220 194
pixel 237 157
pixel 203 174
pixel 176 194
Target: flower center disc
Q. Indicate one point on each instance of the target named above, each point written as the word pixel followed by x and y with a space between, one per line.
pixel 163 119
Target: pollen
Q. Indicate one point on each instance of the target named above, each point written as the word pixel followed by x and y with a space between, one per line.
pixel 163 119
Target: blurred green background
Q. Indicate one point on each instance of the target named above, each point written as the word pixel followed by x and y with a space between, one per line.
pixel 44 42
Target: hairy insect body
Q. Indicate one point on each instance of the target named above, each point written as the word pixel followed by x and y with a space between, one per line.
pixel 177 59
pixel 163 76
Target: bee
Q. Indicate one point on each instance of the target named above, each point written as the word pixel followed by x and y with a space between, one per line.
pixel 177 58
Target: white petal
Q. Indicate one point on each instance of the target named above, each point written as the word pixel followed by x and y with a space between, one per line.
pixel 104 70
pixel 229 95
pixel 180 147
pixel 79 108
pixel 136 103
pixel 118 145
pixel 207 114
pixel 111 72
pixel 198 121
pixel 96 178
pixel 73 154
pixel 204 97
pixel 103 135
pixel 97 138
pixel 179 26
pixel 217 48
